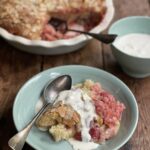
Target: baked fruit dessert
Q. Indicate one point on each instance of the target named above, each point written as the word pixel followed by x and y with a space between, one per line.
pixel 31 19
pixel 86 113
pixel 22 17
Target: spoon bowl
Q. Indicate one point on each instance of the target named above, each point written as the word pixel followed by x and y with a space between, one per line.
pixel 52 89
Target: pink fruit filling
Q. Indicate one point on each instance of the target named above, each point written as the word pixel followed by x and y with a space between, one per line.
pixel 51 33
pixel 109 110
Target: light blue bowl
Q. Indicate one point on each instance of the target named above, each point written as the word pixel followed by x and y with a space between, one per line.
pixel 29 94
pixel 133 66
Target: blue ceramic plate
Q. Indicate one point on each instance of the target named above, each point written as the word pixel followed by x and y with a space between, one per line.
pixel 24 105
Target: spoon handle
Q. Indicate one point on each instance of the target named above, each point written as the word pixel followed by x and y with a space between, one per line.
pixel 105 38
pixel 18 140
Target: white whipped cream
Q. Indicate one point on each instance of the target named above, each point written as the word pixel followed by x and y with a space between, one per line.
pixel 135 44
pixel 82 104
pixel 78 145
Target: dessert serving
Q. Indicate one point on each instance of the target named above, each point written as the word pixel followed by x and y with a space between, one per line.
pixel 84 115
pixel 32 19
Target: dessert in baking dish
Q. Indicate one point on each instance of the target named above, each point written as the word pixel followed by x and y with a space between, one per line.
pixel 31 19
pixel 86 113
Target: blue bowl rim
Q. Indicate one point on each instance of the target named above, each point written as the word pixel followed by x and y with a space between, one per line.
pixel 83 67
pixel 123 20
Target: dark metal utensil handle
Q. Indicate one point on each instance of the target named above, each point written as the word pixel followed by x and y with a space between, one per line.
pixel 105 38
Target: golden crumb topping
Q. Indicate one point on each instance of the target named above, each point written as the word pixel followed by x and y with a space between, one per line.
pixel 61 114
pixel 22 17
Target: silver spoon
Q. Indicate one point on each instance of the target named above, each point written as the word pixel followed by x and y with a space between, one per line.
pixel 51 91
pixel 62 26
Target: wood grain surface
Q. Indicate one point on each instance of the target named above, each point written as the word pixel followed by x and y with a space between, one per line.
pixel 17 67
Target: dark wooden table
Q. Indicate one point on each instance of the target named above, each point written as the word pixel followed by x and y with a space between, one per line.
pixel 17 67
